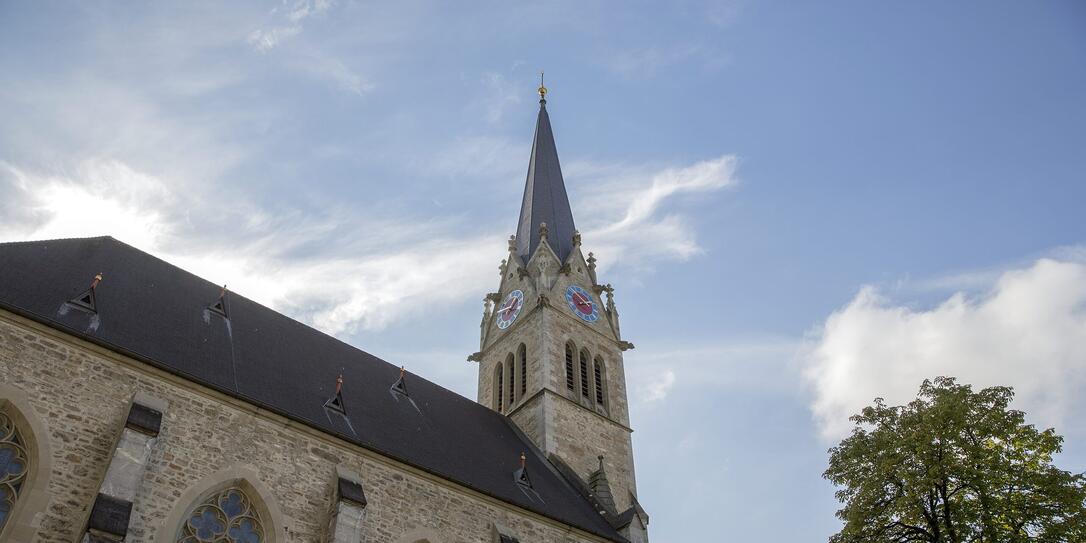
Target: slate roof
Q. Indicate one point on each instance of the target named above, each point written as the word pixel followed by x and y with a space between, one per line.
pixel 155 312
pixel 545 199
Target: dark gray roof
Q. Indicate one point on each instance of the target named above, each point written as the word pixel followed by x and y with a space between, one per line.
pixel 155 312
pixel 545 199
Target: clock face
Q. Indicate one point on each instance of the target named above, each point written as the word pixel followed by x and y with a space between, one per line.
pixel 509 309
pixel 582 304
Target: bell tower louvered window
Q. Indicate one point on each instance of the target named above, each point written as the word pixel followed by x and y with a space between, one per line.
pixel 569 366
pixel 584 373
pixel 598 374
pixel 523 370
pixel 511 364
pixel 498 388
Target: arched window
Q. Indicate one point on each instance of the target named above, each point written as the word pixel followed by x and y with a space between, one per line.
pixel 584 373
pixel 523 370
pixel 14 465
pixel 225 516
pixel 498 387
pixel 597 372
pixel 569 366
pixel 511 364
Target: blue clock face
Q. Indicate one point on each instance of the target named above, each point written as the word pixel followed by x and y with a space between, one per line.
pixel 582 304
pixel 509 309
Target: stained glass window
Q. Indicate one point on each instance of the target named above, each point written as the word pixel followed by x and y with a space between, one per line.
pixel 13 467
pixel 224 517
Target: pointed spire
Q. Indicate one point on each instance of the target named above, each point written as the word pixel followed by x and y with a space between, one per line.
pixel 545 199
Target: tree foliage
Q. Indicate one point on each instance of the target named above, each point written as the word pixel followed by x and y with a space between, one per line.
pixel 954 466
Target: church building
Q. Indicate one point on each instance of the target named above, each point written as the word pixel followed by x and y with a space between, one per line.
pixel 141 403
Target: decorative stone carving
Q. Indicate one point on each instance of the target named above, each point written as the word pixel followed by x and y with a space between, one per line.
pixel 543 282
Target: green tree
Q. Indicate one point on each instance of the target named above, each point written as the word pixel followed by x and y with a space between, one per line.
pixel 954 466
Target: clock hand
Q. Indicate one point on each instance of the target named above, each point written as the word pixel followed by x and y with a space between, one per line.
pixel 582 300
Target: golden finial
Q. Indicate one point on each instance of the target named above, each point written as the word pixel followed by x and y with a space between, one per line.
pixel 542 89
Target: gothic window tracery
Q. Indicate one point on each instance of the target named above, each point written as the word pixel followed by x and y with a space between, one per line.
pixel 226 516
pixel 14 465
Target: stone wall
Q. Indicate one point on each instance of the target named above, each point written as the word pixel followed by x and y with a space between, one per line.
pixel 582 437
pixel 82 393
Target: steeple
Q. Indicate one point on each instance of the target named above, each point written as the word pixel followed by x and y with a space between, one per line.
pixel 545 199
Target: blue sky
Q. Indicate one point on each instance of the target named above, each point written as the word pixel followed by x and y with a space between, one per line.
pixel 802 206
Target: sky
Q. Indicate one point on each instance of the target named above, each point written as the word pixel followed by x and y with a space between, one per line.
pixel 802 205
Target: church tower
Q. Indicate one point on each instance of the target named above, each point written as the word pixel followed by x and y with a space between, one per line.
pixel 550 353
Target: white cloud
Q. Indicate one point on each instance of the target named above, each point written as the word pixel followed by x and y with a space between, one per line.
pixel 305 264
pixel 658 387
pixel 289 23
pixel 338 285
pixel 1027 331
pixel 626 221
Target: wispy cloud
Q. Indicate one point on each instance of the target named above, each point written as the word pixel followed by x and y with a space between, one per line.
pixel 478 156
pixel 335 285
pixel 1028 330
pixel 288 21
pixel 655 371
pixel 334 71
pixel 648 62
pixel 627 220
pixel 501 95
pixel 302 263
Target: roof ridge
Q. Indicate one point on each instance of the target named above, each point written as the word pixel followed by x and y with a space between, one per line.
pixel 88 238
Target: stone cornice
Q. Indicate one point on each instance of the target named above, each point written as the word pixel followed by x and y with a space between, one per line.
pixel 545 390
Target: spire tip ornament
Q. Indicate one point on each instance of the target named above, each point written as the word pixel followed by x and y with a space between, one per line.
pixel 542 89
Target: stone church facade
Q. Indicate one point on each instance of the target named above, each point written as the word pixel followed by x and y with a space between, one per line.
pixel 141 403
